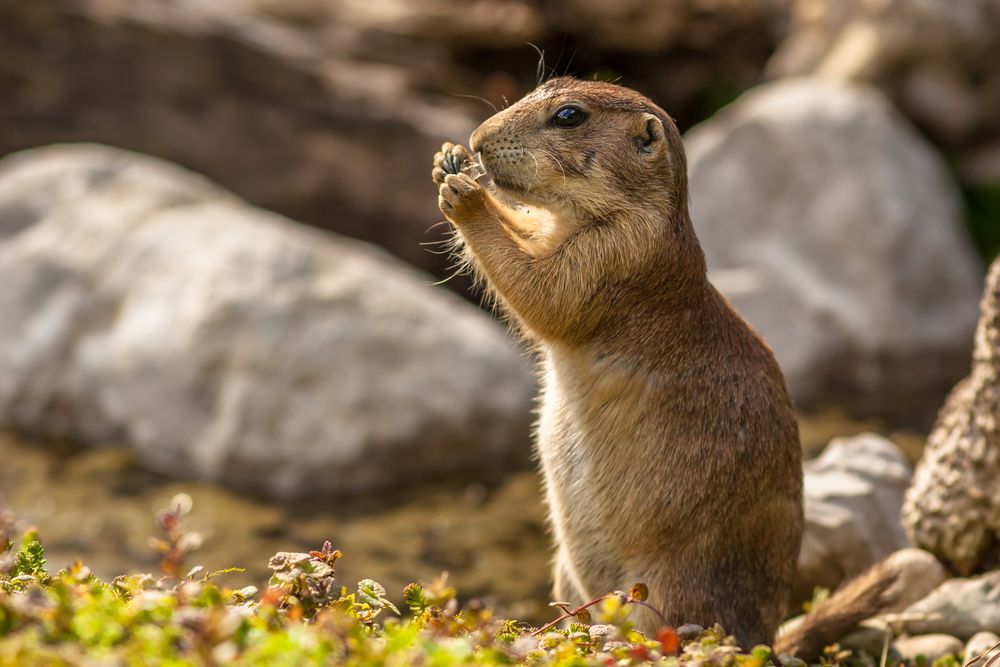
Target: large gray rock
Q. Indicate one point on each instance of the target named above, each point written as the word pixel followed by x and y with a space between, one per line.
pixel 937 59
pixel 953 506
pixel 143 305
pixel 328 112
pixel 959 607
pixel 285 115
pixel 917 573
pixel 853 493
pixel 835 230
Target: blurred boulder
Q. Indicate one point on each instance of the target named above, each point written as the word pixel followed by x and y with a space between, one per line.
pixel 958 607
pixel 939 60
pixel 262 107
pixel 641 26
pixel 917 572
pixel 143 305
pixel 853 493
pixel 953 506
pixel 691 56
pixel 835 230
pixel 329 112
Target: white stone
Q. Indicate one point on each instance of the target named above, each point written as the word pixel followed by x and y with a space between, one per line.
pixel 959 607
pixel 836 231
pixel 853 495
pixel 142 305
pixel 931 647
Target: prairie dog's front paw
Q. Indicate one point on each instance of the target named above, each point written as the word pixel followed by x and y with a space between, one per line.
pixel 451 159
pixel 459 197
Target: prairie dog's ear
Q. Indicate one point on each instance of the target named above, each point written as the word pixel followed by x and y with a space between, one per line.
pixel 649 135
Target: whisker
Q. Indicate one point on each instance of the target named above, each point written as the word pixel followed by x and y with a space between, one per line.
pixel 570 63
pixel 534 178
pixel 445 280
pixel 562 49
pixel 477 97
pixel 436 224
pixel 540 67
pixel 555 158
pixel 438 252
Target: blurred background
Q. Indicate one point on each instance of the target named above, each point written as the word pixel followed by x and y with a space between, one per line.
pixel 220 269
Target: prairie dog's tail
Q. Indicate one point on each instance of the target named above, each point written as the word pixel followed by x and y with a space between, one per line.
pixel 869 594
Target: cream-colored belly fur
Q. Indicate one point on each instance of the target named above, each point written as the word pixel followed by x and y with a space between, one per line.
pixel 583 423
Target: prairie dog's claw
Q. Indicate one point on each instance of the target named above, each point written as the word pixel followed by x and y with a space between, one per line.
pixel 451 159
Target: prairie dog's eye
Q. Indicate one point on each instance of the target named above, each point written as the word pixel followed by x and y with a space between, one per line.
pixel 568 116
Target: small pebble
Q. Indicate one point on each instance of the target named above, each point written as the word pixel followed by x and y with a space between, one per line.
pixel 689 631
pixel 787 660
pixel 931 647
pixel 980 643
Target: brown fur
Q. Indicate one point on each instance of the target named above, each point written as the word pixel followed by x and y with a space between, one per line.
pixel 666 437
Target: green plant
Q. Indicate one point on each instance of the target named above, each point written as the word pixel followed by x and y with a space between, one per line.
pixel 305 616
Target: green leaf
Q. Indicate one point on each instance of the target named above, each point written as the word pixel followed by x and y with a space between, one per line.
pixel 415 598
pixel 30 558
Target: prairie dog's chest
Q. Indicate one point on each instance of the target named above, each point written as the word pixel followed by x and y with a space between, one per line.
pixel 588 421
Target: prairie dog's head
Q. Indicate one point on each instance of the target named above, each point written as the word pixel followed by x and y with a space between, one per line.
pixel 588 148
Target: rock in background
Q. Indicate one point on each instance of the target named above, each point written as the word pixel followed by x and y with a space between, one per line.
pixel 958 607
pixel 953 507
pixel 837 232
pixel 936 59
pixel 143 305
pixel 328 112
pixel 853 493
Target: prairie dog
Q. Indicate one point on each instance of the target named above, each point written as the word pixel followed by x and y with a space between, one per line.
pixel 667 440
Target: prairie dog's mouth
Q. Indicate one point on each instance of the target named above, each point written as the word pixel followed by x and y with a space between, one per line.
pixel 504 183
pixel 498 178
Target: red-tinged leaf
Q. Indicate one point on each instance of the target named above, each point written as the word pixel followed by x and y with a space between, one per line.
pixel 669 642
pixel 272 596
pixel 639 652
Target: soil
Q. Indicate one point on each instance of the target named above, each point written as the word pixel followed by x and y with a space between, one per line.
pixel 99 505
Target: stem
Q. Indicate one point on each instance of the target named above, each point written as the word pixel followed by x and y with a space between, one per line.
pixel 570 614
pixel 649 606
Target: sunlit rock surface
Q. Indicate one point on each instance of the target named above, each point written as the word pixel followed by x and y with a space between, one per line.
pixel 853 493
pixel 143 305
pixel 953 506
pixel 936 59
pixel 836 231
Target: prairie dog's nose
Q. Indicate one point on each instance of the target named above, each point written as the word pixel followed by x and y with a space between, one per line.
pixel 476 140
